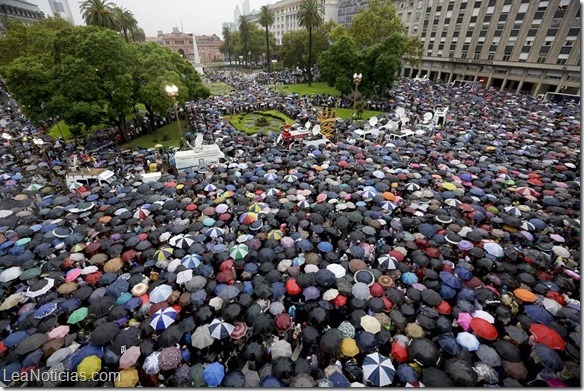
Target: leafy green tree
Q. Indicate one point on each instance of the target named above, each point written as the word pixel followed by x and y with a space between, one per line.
pixel 99 13
pixel 413 50
pixel 28 40
pixel 294 48
pixel 310 16
pixel 267 19
pixel 374 24
pixel 227 46
pixel 338 63
pixel 245 27
pixel 138 34
pixel 155 67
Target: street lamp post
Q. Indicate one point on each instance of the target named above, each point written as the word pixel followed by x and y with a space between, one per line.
pixel 40 144
pixel 172 91
pixel 357 80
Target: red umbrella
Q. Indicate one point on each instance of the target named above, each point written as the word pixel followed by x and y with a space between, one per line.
pixel 376 290
pixel 224 276
pixel 283 322
pixel 432 252
pixel 93 278
pixel 397 255
pixel 292 287
pixel 547 336
pixel 557 296
pixel 92 247
pixel 190 207
pixel 399 352
pixel 239 330
pixel 443 308
pixel 484 329
pixel 128 255
pixel 535 182
pixel 339 301
pixel 143 236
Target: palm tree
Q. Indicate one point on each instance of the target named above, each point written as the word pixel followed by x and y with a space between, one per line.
pixel 266 20
pixel 98 13
pixel 125 20
pixel 244 33
pixel 310 16
pixel 227 42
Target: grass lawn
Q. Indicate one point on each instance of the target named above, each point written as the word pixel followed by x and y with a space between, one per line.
pixel 219 88
pixel 304 89
pixel 348 113
pixel 54 131
pixel 247 123
pixel 149 140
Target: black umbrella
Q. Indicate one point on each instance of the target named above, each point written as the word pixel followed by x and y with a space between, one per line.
pixel 283 367
pixel 263 324
pixel 423 351
pixel 234 379
pixel 102 306
pixel 104 334
pixel 461 373
pixel 507 350
pixel 253 351
pixel 331 340
pixel 434 377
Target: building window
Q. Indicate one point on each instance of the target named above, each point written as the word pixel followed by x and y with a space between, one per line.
pixel 561 61
pixel 506 57
pixel 541 59
pixel 491 56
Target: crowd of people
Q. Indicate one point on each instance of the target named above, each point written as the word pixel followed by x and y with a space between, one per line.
pixel 449 258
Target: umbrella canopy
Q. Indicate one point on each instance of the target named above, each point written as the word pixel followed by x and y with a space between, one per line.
pixel 378 370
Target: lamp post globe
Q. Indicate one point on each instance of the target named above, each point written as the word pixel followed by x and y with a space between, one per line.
pixel 172 91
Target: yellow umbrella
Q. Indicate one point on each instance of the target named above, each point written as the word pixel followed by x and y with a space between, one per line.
pixel 349 347
pixel 11 301
pixel 113 265
pixel 449 186
pixel 275 234
pixel 77 248
pixel 127 378
pixel 370 324
pixel 413 330
pixel 89 366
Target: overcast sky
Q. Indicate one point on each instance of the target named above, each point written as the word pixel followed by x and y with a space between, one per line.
pixel 198 16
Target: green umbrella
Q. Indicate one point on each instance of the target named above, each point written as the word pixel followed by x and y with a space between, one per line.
pixel 197 379
pixel 238 251
pixel 34 187
pixel 22 242
pixel 78 315
pixel 30 273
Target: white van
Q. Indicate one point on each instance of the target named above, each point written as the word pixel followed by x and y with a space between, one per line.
pixel 91 176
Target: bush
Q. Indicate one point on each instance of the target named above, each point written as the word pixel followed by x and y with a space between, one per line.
pixel 261 121
pixel 165 137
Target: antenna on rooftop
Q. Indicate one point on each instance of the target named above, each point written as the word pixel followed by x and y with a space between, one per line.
pixel 198 142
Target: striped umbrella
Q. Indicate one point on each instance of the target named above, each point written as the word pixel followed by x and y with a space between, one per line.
pixel 163 318
pixel 513 211
pixel 239 251
pixel 270 177
pixel 303 204
pixel 290 178
pixel 214 232
pixel 272 192
pixel 387 262
pixel 452 202
pixel 219 329
pixel 387 205
pixel 527 191
pixel 210 187
pixel 257 207
pixel 275 234
pixel 191 261
pixel 182 241
pixel 248 218
pixel 163 253
pixel 74 186
pixel 34 187
pixel 141 213
pixel 378 370
pixel 412 187
pixel 369 192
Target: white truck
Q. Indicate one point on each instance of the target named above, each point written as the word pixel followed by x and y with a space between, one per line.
pixel 90 176
pixel 199 156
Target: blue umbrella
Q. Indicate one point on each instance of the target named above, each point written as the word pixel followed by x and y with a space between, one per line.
pixel 33 358
pixel 548 357
pixel 271 382
pixel 449 345
pixel 325 247
pixel 134 302
pixel 191 261
pixel 463 273
pixel 406 373
pixel 85 351
pixel 450 280
pixel 7 371
pixel 311 293
pixel 447 292
pixel 538 224
pixel 339 380
pixel 304 244
pixel 538 313
pixel 15 338
pixel 409 278
pixel 366 342
pixel 70 305
pixel 428 230
pixel 213 374
pixel 45 310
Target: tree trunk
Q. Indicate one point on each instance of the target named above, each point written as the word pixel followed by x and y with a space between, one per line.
pixel 121 122
pixel 229 54
pixel 269 60
pixel 126 34
pixel 151 117
pixel 309 56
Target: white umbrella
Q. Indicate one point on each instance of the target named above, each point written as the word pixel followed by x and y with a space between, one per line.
pixel 10 274
pixel 484 315
pixel 150 365
pixel 160 293
pixel 281 348
pixel 338 270
pixel 219 329
pixel 184 276
pixel 47 287
pixel 201 338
